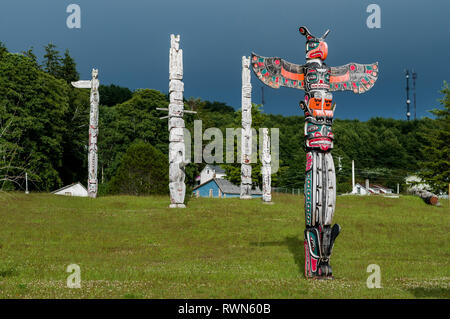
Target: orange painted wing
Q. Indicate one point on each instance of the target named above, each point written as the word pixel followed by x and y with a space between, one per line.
pixel 355 77
pixel 276 72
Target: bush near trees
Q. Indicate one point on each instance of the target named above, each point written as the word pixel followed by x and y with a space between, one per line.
pixel 142 171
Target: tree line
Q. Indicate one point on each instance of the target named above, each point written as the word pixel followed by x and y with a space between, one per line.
pixel 44 132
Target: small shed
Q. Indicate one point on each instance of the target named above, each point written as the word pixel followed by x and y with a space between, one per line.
pixel 361 190
pixel 381 189
pixel 75 189
pixel 221 188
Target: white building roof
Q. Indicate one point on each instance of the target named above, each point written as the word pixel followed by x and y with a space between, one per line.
pixel 75 189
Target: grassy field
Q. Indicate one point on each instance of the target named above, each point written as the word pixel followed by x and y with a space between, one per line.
pixel 136 247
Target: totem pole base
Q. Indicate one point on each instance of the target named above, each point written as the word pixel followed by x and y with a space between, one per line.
pixel 322 278
pixel 268 203
pixel 177 206
pixel 246 197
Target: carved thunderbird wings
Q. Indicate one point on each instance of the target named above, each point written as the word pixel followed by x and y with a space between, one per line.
pixel 355 77
pixel 276 72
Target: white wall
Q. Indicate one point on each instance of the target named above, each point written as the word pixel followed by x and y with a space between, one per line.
pixel 359 190
pixel 207 174
pixel 74 190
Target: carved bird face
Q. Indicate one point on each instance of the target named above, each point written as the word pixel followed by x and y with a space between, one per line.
pixel 316 48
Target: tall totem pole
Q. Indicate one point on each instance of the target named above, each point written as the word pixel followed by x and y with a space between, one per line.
pixel 266 169
pixel 93 131
pixel 317 80
pixel 177 149
pixel 246 140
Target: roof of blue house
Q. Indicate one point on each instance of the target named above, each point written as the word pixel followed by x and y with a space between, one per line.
pixel 216 168
pixel 225 186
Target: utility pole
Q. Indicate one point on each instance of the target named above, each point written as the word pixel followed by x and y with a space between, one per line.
pixel 353 175
pixel 408 113
pixel 414 76
pixel 262 96
pixel 26 183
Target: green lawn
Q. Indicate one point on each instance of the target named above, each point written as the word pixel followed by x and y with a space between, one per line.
pixel 136 247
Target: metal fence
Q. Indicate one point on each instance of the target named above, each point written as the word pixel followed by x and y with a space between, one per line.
pixel 285 190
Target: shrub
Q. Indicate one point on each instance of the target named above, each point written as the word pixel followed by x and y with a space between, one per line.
pixel 142 171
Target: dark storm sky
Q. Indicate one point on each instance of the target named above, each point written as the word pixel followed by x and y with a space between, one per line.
pixel 129 42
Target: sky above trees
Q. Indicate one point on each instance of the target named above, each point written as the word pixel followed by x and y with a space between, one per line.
pixel 129 42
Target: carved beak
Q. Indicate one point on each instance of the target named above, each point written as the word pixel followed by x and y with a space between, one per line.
pixel 325 35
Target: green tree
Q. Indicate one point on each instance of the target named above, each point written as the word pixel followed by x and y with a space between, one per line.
pixel 436 151
pixel 135 119
pixel 30 54
pixel 38 102
pixel 68 69
pixel 143 171
pixel 3 49
pixel 113 94
pixel 52 60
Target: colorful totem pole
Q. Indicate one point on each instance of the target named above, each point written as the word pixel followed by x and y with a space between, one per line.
pixel 317 80
pixel 93 130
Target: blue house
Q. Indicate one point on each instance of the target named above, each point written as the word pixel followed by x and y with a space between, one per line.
pixel 221 188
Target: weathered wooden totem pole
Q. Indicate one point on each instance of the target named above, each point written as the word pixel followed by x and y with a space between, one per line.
pixel 266 169
pixel 247 138
pixel 177 149
pixel 93 130
pixel 317 80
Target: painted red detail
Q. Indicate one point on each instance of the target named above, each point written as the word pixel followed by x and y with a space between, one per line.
pixel 307 266
pixel 313 264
